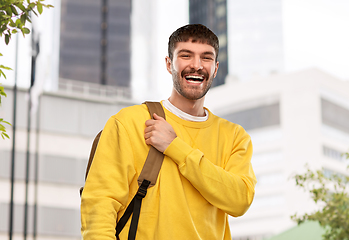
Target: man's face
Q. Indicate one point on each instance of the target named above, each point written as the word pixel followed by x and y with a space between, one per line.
pixel 193 68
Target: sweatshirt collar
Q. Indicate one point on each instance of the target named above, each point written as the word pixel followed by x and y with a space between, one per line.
pixel 179 113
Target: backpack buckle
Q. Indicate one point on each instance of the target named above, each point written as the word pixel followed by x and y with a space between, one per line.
pixel 142 190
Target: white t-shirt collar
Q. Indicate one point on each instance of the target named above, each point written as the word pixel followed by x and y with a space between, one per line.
pixel 179 113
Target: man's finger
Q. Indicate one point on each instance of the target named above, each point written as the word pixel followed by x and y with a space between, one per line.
pixel 147 135
pixel 149 122
pixel 157 117
pixel 147 129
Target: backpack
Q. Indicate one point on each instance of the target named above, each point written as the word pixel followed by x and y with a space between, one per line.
pixel 146 179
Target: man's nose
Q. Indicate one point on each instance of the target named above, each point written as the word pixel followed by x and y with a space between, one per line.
pixel 196 63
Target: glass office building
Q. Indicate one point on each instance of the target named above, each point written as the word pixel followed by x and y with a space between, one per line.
pixel 213 14
pixel 95 41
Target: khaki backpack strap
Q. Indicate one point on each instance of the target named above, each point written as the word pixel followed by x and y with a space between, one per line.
pixel 154 159
pixel 155 107
pixel 92 153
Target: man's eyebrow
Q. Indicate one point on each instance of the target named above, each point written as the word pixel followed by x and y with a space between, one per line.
pixel 184 51
pixel 208 53
pixel 189 51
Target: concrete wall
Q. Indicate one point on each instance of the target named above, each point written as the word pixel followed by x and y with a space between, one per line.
pixel 62 131
pixel 293 119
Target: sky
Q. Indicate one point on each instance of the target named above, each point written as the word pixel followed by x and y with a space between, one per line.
pixel 316 34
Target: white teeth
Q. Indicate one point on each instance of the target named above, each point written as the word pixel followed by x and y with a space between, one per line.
pixel 197 77
pixel 192 81
pixel 194 77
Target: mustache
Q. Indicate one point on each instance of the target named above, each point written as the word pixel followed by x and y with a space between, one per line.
pixel 191 71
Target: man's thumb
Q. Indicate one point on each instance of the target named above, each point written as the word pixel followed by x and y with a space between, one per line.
pixel 157 117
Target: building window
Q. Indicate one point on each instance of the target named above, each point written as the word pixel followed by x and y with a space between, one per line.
pixel 330 174
pixel 52 222
pixel 222 40
pixel 334 154
pixel 220 11
pixel 62 170
pixel 258 117
pixel 335 116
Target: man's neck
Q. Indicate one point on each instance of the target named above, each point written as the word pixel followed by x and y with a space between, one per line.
pixel 192 107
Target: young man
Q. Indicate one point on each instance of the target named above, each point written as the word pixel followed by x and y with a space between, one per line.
pixel 206 174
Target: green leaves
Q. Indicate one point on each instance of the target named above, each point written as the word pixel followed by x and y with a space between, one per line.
pixel 25 31
pixel 39 7
pixel 5 68
pixel 14 10
pixel 23 18
pixel 7 38
pixel 3 129
pixel 329 191
pixel 15 13
pixel 2 93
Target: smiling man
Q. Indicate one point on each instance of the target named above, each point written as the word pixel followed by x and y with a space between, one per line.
pixel 206 174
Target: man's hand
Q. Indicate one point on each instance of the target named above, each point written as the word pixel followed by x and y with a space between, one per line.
pixel 159 133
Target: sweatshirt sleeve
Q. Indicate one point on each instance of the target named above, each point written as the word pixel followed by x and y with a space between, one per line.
pixel 229 188
pixel 107 185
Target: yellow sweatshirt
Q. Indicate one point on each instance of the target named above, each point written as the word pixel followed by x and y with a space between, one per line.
pixel 206 175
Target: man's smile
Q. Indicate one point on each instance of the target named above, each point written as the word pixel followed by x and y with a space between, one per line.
pixel 194 78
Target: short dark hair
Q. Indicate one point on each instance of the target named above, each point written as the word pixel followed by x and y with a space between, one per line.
pixel 195 32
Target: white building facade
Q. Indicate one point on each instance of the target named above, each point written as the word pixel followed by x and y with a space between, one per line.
pixel 293 119
pixel 61 135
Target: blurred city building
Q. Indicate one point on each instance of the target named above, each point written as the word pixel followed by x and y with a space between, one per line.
pixel 95 41
pixel 293 119
pixel 153 21
pixel 62 132
pixel 213 14
pixel 74 104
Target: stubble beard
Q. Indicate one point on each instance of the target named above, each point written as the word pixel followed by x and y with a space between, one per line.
pixel 192 92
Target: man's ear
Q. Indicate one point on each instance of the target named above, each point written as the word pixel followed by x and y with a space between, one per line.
pixel 168 64
pixel 216 69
